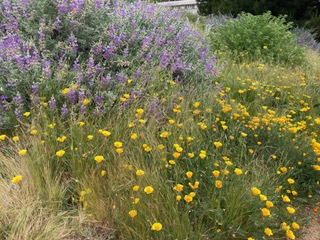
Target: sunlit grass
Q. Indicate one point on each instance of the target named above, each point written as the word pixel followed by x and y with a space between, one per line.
pixel 232 156
pixel 253 126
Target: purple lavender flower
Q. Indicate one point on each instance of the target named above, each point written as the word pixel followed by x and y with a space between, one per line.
pixel 18 99
pixel 81 95
pixel 63 8
pixel 121 78
pixel 74 44
pixel 148 56
pixel 164 59
pixel 109 51
pixel 75 66
pixel 137 74
pixel 83 109
pixel 105 80
pixel 153 105
pixel 18 113
pixel 98 100
pixel 64 110
pixel 34 88
pixel 79 79
pixel 126 52
pixel 57 23
pixel 98 4
pixel 52 103
pixel 72 96
pixel 46 64
pixel 135 94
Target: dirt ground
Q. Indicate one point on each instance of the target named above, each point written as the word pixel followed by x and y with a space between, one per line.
pixel 312 232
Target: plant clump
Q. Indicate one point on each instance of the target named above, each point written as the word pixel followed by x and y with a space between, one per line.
pixel 262 37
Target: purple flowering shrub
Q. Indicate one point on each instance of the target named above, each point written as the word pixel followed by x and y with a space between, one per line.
pixel 306 38
pixel 218 20
pixel 90 49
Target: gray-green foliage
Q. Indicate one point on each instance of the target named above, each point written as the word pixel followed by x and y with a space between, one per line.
pixel 262 37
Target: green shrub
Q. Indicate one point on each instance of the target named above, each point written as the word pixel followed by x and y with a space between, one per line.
pixel 263 37
pixel 304 13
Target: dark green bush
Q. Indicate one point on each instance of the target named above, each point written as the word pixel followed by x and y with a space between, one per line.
pixel 263 37
pixel 304 13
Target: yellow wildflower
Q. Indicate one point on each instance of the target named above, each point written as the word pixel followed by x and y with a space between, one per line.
pixel 255 191
pixel 290 181
pixel 161 146
pixel 176 155
pixel 237 171
pixel 243 134
pixel 156 226
pixel 99 158
pixel 195 185
pixel 217 144
pixel 291 210
pixel 61 139
pixel 86 101
pixel 263 197
pixel 119 150
pixel 290 234
pixel 216 173
pixel 26 114
pixel 265 212
pixel 218 184
pixel 188 198
pixel 139 172
pixel 178 188
pixel 284 226
pixel 202 154
pixel 15 138
pixel 106 133
pixel 148 189
pixel 295 225
pixel 23 152
pixel 117 144
pixel 16 179
pixel 65 91
pixel 134 136
pixel 164 134
pixel 286 199
pixel 189 174
pixel 171 121
pixel 268 232
pixel 269 204
pixel 133 213
pixel 33 132
pixel 60 153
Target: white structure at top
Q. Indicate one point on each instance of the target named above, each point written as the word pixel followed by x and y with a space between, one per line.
pixel 189 5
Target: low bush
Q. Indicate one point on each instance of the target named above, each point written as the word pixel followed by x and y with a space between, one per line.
pixel 263 37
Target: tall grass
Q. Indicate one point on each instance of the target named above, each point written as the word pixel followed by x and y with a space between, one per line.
pixel 234 155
